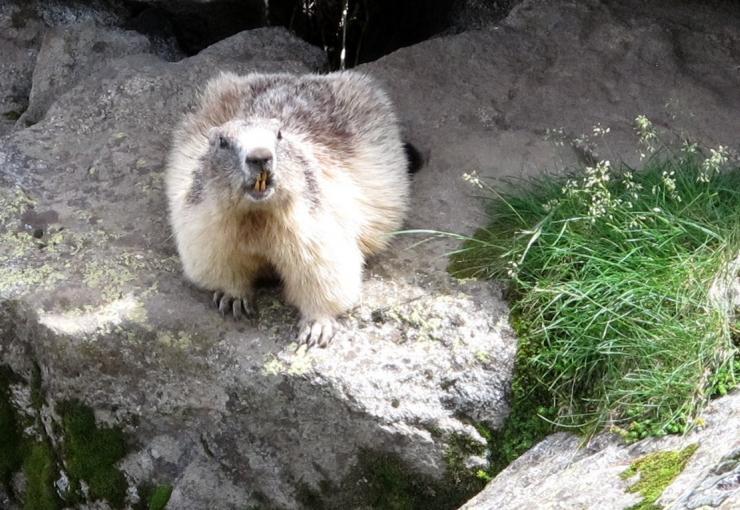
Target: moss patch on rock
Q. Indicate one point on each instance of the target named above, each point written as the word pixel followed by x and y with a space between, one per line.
pixel 657 471
pixel 18 451
pixel 383 481
pixel 40 469
pixel 532 411
pixel 160 497
pixel 459 449
pixel 11 437
pixel 91 453
pixel 12 115
pixel 152 497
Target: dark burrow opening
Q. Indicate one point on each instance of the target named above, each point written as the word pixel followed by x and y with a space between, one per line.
pixel 373 28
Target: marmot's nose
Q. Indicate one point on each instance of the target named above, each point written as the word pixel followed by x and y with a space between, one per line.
pixel 259 157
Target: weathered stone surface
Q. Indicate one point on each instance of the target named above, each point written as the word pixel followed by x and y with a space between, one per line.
pixel 558 473
pixel 228 413
pixel 476 14
pixel 19 42
pixel 68 12
pixel 72 52
pixel 24 26
pixel 484 100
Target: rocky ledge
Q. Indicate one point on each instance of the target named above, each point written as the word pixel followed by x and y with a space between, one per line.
pixel 124 381
pixel 561 472
pixel 96 316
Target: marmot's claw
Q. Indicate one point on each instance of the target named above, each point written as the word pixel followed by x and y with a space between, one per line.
pixel 317 332
pixel 244 308
pixel 237 307
pixel 217 296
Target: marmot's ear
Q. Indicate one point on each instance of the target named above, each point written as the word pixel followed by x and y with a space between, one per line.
pixel 276 125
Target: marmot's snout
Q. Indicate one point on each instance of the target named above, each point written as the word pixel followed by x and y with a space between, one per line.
pixel 259 156
pixel 259 171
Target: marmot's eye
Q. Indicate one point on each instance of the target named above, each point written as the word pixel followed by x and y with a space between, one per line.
pixel 223 142
pixel 280 135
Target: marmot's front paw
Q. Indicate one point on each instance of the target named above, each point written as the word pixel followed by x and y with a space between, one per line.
pixel 317 331
pixel 238 307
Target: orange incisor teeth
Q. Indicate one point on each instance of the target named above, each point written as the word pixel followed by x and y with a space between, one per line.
pixel 261 183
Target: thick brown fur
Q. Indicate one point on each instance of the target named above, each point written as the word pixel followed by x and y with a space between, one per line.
pixel 338 188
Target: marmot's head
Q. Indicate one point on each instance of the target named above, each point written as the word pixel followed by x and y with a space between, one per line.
pixel 245 159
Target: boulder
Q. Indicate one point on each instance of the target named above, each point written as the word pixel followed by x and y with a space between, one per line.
pixel 26 26
pixel 560 472
pixel 96 317
pixel 484 100
pixel 70 53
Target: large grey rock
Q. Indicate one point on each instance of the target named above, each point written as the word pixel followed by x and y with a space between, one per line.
pixel 228 413
pixel 24 27
pixel 560 473
pixel 484 100
pixel 68 12
pixel 72 52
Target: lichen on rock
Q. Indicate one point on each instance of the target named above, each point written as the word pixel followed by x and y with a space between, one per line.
pixel 656 472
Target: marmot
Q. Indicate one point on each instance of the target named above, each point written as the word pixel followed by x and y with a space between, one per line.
pixel 303 175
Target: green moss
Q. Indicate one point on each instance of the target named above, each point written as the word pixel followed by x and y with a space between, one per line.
pixel 36 458
pixel 41 470
pixel 11 437
pixel 37 392
pixel 529 419
pixel 159 498
pixel 389 483
pixel 91 453
pixel 12 115
pixel 459 449
pixel 657 471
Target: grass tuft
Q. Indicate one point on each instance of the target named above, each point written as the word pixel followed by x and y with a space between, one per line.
pixel 610 273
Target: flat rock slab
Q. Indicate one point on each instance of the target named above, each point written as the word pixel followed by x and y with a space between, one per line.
pixel 228 413
pixel 559 473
